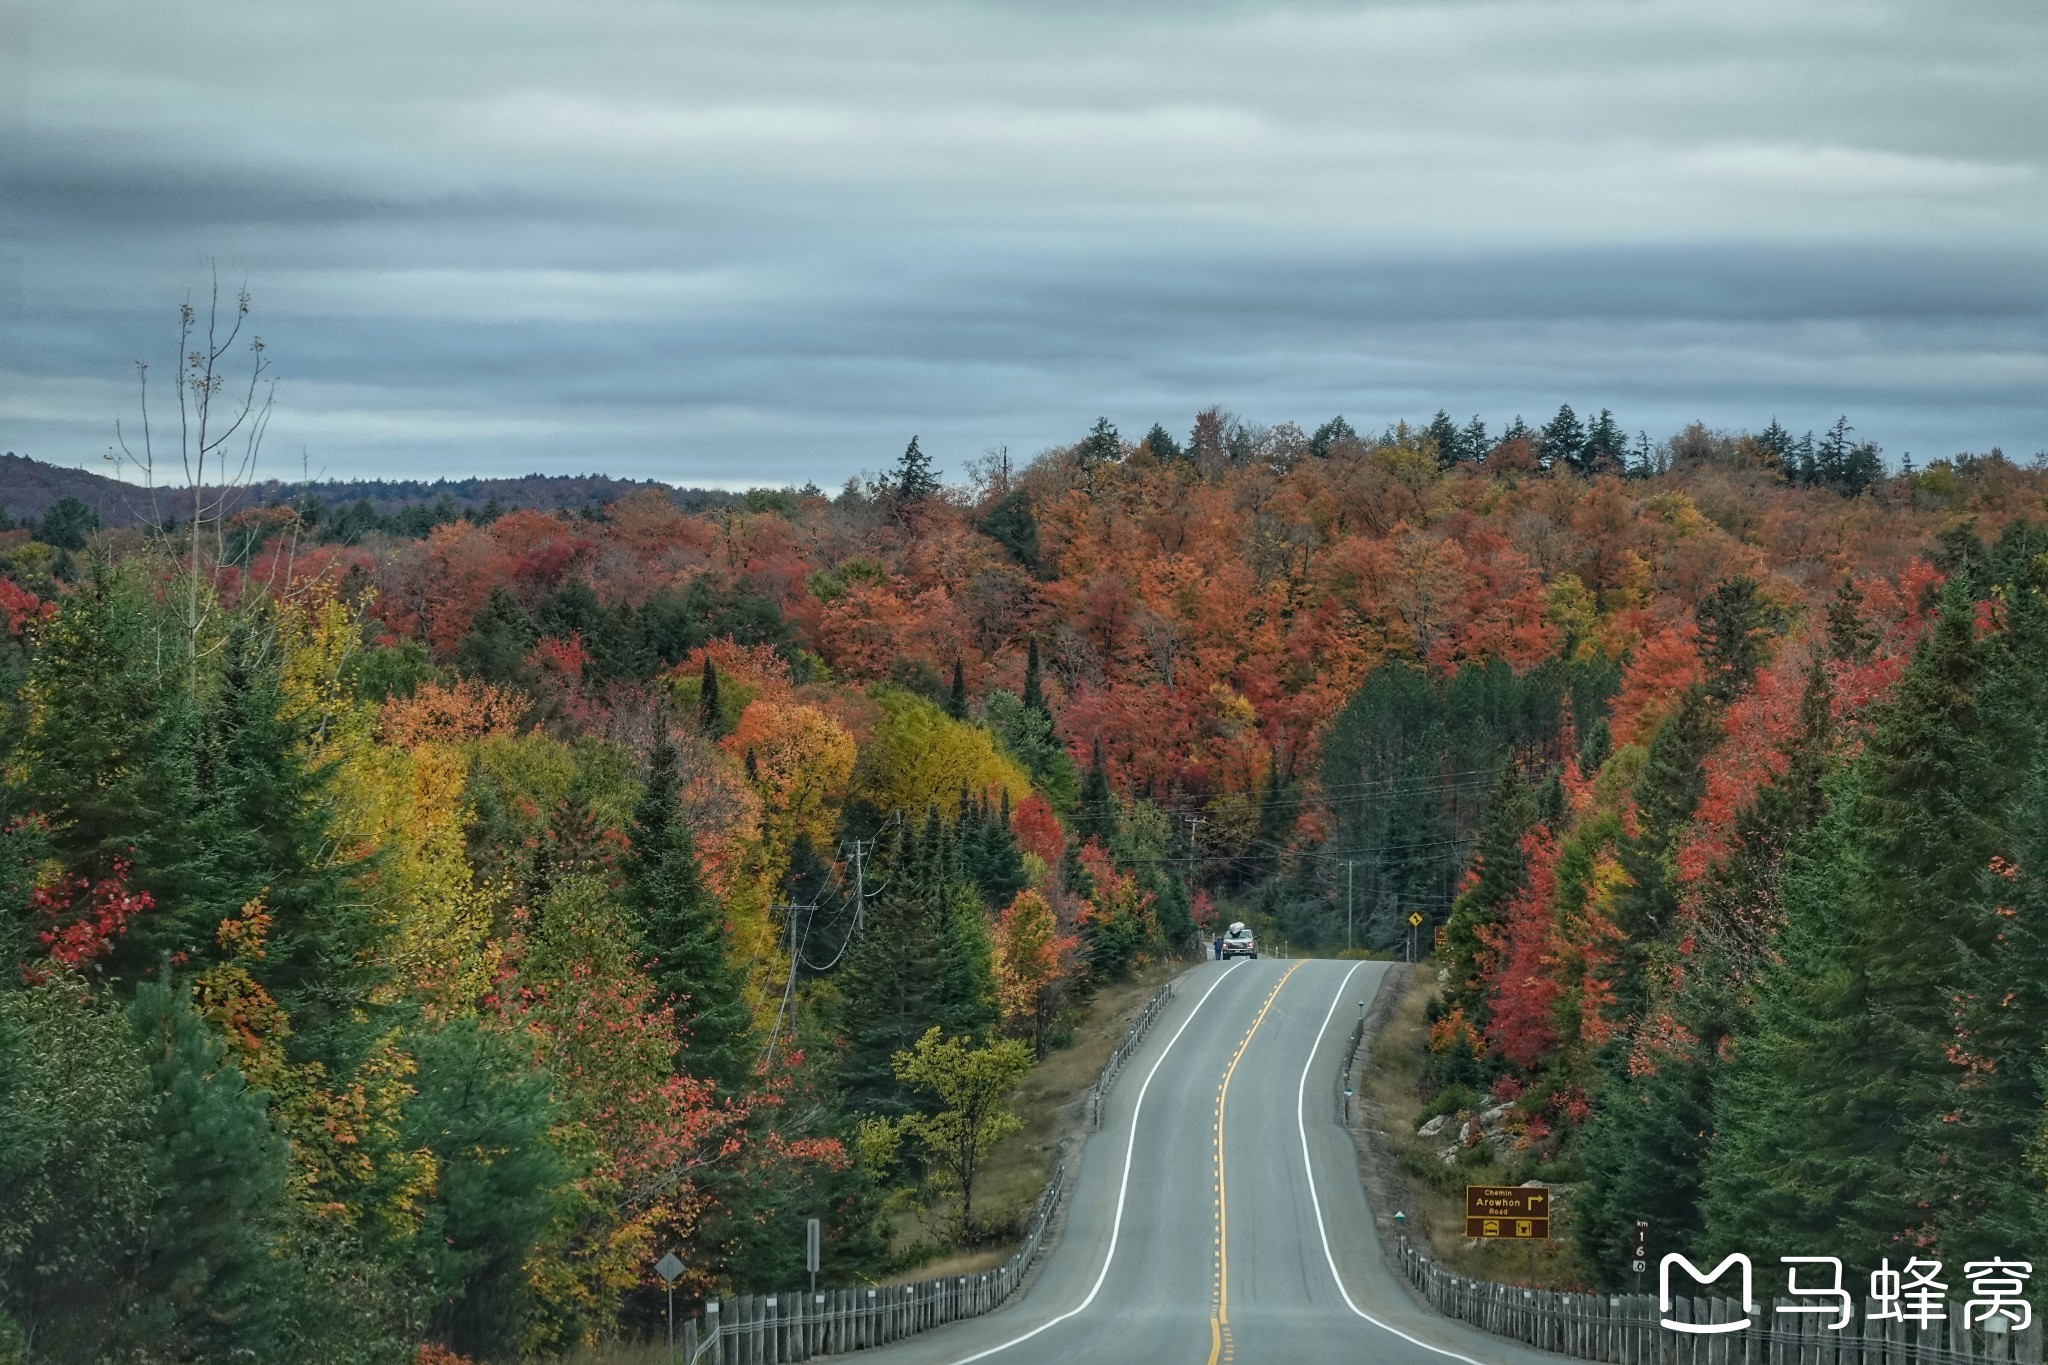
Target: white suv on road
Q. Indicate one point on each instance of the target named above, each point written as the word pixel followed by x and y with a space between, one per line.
pixel 1238 943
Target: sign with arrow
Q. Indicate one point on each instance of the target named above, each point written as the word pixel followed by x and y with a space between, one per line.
pixel 1510 1212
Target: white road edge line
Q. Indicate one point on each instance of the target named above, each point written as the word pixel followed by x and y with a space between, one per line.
pixel 1308 1169
pixel 1116 1226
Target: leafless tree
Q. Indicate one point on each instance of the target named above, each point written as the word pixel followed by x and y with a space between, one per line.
pixel 222 418
pixel 988 474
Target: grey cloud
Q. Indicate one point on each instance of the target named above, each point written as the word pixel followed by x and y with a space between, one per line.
pixel 736 243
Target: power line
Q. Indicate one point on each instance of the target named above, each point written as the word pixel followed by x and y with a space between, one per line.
pixel 789 988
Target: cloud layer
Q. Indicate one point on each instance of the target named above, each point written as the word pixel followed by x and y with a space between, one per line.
pixel 748 243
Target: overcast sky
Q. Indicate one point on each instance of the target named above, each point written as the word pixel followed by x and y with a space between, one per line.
pixel 767 242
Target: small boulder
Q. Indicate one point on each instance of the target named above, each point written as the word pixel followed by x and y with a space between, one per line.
pixel 1434 1126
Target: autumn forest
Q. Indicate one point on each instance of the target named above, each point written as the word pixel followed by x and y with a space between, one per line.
pixel 417 923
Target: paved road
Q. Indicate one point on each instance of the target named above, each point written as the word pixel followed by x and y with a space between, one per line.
pixel 1218 1218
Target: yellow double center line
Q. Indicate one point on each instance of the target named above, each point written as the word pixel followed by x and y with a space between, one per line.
pixel 1221 1347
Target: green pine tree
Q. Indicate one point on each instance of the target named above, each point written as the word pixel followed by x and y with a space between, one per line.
pixel 484 1113
pixel 710 718
pixel 1026 734
pixel 683 934
pixel 1648 1144
pixel 501 635
pixel 75 1146
pixel 1644 1150
pixel 1011 523
pixel 1279 804
pixel 1101 446
pixel 956 695
pixel 1562 444
pixel 1472 442
pixel 1606 447
pixel 204 1268
pixel 922 960
pixel 1979 1145
pixel 1034 687
pixel 1501 868
pixel 1095 814
pixel 990 856
pixel 1802 1098
pixel 914 480
pixel 1162 445
pixel 1886 912
pixel 1735 626
pixel 1444 438
pixel 263 830
pixel 1666 792
pixel 1850 640
pixel 1325 439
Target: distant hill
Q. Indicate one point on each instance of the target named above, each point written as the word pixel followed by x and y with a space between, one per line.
pixel 29 487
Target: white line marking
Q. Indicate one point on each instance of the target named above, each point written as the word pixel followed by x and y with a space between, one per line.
pixel 1308 1169
pixel 1116 1226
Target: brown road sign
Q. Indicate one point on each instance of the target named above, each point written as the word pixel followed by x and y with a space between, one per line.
pixel 1438 942
pixel 1507 1201
pixel 1515 1212
pixel 1513 1229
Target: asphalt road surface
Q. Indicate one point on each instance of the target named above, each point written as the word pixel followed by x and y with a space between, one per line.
pixel 1218 1218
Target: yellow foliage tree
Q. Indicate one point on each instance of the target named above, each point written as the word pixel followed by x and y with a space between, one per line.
pixel 407 804
pixel 920 756
pixel 802 762
pixel 1032 961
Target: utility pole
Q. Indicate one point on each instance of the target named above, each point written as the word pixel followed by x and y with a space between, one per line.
pixel 788 1005
pixel 1348 865
pixel 860 885
pixel 862 851
pixel 1195 823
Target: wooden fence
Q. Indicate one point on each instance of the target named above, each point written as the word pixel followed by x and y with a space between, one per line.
pixel 1626 1329
pixel 768 1329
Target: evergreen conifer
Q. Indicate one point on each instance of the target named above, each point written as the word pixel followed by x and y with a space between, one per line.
pixel 1162 445
pixel 1445 438
pixel 1095 815
pixel 956 695
pixel 682 934
pixel 710 718
pixel 914 481
pixel 1563 441
pixel 1034 687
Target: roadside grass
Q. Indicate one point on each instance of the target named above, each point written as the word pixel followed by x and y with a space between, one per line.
pixel 622 1352
pixel 1018 1168
pixel 1393 1083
